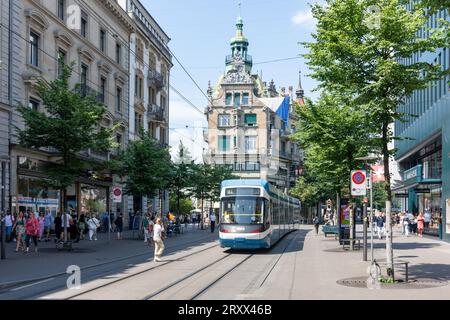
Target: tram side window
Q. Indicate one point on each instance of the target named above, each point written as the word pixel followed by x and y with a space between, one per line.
pixel 276 218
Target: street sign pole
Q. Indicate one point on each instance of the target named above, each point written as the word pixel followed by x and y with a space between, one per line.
pixel 371 214
pixel 365 230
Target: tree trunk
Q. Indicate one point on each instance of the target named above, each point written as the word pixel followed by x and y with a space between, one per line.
pixel 387 178
pixel 201 216
pixel 178 201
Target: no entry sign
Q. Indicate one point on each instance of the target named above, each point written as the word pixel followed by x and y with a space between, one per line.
pixel 358 183
pixel 117 195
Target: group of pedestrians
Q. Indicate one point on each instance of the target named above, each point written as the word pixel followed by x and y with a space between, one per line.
pixel 414 224
pixel 27 227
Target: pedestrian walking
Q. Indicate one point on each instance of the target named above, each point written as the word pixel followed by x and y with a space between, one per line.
pixel 413 222
pixel 19 229
pixel 119 226
pixel 32 232
pixel 158 240
pixel 427 219
pixel 93 225
pixel 405 225
pixel 9 223
pixel 41 221
pixel 316 222
pixel 145 225
pixel 58 229
pixel 48 222
pixel 66 222
pixel 81 227
pixel 380 226
pixel 130 220
pixel 420 224
pixel 212 218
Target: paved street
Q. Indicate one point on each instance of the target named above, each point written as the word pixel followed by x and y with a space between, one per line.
pixel 302 266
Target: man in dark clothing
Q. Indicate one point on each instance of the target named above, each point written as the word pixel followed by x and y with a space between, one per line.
pixel 316 222
pixel 130 220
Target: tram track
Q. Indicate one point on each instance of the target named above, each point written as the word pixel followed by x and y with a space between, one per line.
pixel 271 264
pixel 5 288
pixel 186 284
pixel 183 283
pixel 159 265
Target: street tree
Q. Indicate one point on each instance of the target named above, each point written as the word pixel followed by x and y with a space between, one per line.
pixel 182 175
pixel 333 133
pixel 206 181
pixel 145 167
pixel 69 123
pixel 364 51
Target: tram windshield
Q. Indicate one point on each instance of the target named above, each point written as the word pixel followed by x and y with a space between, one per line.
pixel 243 210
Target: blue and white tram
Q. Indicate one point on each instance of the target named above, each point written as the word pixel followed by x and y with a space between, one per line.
pixel 255 214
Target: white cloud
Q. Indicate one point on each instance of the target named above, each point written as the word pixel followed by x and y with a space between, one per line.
pixel 304 18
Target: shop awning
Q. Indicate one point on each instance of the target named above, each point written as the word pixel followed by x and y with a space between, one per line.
pixel 405 187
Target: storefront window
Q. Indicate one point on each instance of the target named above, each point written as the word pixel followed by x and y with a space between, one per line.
pixel 430 205
pixel 93 199
pixel 34 195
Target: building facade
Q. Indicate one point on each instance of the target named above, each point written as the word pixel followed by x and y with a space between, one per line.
pixel 249 121
pixel 115 46
pixel 424 156
pixel 150 64
pixel 95 39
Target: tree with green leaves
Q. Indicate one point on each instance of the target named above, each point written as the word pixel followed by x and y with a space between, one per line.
pixel 69 123
pixel 181 177
pixel 182 205
pixel 364 51
pixel 333 133
pixel 206 182
pixel 144 166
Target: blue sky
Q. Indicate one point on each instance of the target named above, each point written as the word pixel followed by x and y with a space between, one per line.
pixel 201 31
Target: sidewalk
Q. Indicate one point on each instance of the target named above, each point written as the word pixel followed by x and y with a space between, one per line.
pixel 316 263
pixel 22 267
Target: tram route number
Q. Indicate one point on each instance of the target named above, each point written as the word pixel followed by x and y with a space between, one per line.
pixel 226 310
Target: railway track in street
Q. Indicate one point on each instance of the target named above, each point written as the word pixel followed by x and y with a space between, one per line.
pixel 194 278
pixel 146 270
pixel 183 287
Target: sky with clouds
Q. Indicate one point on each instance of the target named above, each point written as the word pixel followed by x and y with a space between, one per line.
pixel 201 31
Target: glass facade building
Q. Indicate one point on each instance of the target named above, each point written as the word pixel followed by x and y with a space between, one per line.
pixel 423 155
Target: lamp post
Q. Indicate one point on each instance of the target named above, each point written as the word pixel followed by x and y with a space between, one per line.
pixel 367 159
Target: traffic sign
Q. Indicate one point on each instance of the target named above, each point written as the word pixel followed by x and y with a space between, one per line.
pixel 117 195
pixel 358 183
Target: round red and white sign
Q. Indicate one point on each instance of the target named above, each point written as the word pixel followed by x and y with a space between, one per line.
pixel 117 192
pixel 358 177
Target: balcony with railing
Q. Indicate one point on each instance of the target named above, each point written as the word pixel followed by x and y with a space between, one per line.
pixel 155 112
pixel 247 59
pixel 155 78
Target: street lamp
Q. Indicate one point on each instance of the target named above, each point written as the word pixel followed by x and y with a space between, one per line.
pixel 369 158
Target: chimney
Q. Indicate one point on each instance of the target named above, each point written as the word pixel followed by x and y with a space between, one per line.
pixel 291 92
pixel 283 91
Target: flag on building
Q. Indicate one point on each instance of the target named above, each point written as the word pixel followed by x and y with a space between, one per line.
pixel 378 173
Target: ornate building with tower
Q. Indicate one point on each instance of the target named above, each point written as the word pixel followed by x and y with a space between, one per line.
pixel 250 122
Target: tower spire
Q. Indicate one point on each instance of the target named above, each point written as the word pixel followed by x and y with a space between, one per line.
pixel 300 92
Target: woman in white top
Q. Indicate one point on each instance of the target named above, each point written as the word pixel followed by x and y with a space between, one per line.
pixel 158 230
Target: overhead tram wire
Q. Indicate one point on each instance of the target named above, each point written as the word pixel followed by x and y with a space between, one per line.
pixel 125 102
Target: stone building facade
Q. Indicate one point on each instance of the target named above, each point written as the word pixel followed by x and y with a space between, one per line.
pixel 150 64
pixel 249 121
pixel 105 39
